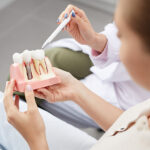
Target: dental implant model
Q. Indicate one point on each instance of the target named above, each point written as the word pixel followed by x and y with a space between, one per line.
pixel 32 67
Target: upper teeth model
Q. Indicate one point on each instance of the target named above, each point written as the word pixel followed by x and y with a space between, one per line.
pixel 17 58
pixel 38 58
pixel 32 67
pixel 35 63
pixel 26 55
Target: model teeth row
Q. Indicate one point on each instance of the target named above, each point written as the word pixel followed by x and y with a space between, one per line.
pixel 38 59
pixel 27 55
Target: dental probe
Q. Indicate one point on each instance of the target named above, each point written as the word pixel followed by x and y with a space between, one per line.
pixel 58 30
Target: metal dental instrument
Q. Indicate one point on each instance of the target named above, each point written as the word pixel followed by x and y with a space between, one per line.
pixel 58 30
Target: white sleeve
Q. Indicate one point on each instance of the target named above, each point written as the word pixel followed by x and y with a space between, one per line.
pixel 111 51
pixel 107 64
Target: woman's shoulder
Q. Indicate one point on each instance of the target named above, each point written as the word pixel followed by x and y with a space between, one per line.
pixel 129 116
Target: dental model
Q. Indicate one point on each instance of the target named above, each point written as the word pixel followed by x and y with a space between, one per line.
pixel 32 67
pixel 26 55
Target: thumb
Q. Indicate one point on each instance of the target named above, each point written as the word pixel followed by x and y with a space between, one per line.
pixel 29 95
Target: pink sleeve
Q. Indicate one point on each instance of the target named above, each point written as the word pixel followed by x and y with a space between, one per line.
pixel 99 55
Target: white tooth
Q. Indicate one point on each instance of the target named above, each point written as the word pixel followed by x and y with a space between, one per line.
pixel 42 61
pixel 37 55
pixel 29 73
pixel 34 55
pixel 26 55
pixel 24 72
pixel 36 64
pixel 42 53
pixel 49 66
pixel 17 58
pixel 43 65
pixel 38 58
pixel 34 73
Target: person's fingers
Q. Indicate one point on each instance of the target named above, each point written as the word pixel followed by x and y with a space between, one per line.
pixel 77 29
pixel 61 17
pixel 44 91
pixel 77 10
pixel 68 10
pixel 49 97
pixel 59 72
pixel 39 95
pixel 8 94
pixel 79 21
pixel 54 87
pixel 6 98
pixel 6 87
pixel 29 95
pixel 17 101
pixel 10 87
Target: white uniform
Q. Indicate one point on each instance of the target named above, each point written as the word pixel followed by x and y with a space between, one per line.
pixel 109 80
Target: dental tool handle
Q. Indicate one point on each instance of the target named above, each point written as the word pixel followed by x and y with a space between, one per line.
pixel 57 31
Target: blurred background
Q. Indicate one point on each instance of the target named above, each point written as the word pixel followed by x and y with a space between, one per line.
pixel 26 24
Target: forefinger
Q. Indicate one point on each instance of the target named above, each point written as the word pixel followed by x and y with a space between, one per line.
pixel 8 94
pixel 68 10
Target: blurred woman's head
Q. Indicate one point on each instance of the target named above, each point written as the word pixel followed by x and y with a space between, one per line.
pixel 133 21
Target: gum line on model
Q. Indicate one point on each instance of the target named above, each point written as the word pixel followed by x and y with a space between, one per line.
pixel 32 67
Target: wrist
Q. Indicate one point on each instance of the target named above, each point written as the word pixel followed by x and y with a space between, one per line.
pixel 76 88
pixel 38 143
pixel 80 93
pixel 99 42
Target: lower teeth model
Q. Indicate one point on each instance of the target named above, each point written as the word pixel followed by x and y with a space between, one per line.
pixel 32 67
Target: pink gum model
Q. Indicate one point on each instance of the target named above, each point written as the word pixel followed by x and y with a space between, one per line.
pixel 21 82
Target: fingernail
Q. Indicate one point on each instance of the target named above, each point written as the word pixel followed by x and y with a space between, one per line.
pixel 66 15
pixel 73 14
pixel 57 20
pixel 29 88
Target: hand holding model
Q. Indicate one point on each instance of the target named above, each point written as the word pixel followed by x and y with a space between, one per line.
pixel 28 123
pixel 67 89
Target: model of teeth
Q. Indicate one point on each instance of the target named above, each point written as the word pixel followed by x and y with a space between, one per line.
pixel 17 58
pixel 34 64
pixel 39 62
pixel 26 55
pixel 32 67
